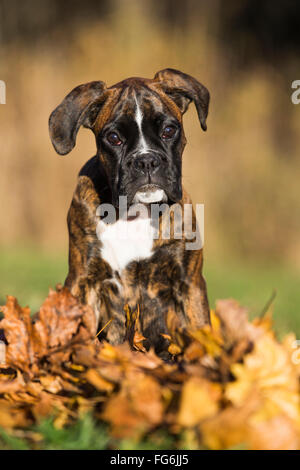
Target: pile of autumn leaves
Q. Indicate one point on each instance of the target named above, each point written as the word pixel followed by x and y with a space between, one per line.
pixel 230 386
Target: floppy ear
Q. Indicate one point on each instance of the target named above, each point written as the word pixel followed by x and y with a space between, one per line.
pixel 183 89
pixel 79 108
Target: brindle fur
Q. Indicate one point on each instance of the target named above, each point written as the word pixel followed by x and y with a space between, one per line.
pixel 171 279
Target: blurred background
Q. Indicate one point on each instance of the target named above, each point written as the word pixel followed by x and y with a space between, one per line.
pixel 245 169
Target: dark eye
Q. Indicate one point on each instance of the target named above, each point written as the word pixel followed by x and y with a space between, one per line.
pixel 113 138
pixel 168 132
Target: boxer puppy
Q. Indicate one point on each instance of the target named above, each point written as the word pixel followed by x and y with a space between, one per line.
pixel 131 259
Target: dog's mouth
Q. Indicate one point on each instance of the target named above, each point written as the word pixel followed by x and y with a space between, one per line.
pixel 149 194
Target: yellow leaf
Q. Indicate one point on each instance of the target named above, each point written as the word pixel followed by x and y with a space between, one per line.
pixel 215 322
pixel 267 370
pixel 174 349
pixel 211 341
pixel 94 378
pixel 199 400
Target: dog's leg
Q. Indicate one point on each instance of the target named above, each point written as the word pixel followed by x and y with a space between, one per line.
pixel 112 314
pixel 90 279
pixel 196 305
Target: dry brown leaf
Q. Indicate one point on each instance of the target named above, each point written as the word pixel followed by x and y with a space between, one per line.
pixel 268 370
pixel 58 322
pixel 229 385
pixel 174 349
pixel 199 400
pixel 177 333
pixel 278 433
pixel 10 385
pixel 228 428
pixel 136 408
pixel 18 332
pixel 51 383
pixel 234 322
pixel 146 395
pixel 124 421
pixel 101 384
pixel 133 328
pixel 12 415
pixel 45 406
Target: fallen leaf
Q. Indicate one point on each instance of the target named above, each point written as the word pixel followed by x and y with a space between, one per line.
pixel 199 400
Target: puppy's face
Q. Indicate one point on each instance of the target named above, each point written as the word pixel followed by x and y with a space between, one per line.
pixel 141 144
pixel 138 128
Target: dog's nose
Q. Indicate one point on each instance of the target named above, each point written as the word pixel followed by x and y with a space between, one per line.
pixel 147 163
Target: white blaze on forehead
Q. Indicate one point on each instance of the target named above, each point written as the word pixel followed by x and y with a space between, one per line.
pixel 143 148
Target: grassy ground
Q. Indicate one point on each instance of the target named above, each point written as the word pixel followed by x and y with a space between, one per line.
pixel 85 434
pixel 27 274
pixel 254 287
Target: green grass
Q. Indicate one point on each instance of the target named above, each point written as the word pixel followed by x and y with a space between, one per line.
pixel 28 274
pixel 84 434
pixel 254 286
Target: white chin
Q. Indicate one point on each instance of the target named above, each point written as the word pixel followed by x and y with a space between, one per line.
pixel 150 196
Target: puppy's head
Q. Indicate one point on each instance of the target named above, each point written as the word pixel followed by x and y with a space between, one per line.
pixel 138 128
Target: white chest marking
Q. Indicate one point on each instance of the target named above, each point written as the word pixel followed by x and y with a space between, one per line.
pixel 126 241
pixel 143 148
